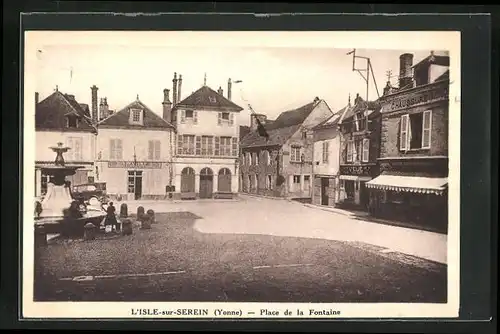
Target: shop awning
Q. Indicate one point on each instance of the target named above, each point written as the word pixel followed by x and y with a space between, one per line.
pixel 414 184
pixel 354 178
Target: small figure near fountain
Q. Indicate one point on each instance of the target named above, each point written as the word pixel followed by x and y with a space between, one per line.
pixel 59 212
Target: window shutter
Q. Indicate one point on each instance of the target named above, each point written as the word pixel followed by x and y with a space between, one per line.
pixel 403 138
pixel 219 118
pixel 183 116
pixel 179 144
pixel 426 129
pixel 217 145
pixel 366 150
pixel 119 149
pixel 78 149
pixel 195 117
pixel 231 119
pixel 210 146
pixel 354 151
pixel 235 147
pixel 349 151
pixel 198 145
pixel 157 150
pixel 151 150
pixel 112 149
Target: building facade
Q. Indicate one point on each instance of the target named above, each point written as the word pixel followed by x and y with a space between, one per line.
pixel 207 144
pixel 414 153
pixel 281 165
pixel 134 153
pixel 326 160
pixel 359 128
pixel 59 118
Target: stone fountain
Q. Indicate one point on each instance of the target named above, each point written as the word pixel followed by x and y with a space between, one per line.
pixel 55 207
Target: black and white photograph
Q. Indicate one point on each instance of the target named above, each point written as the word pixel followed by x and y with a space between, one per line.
pixel 241 174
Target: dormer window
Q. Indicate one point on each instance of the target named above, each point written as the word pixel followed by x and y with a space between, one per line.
pixel 136 116
pixel 72 121
pixel 212 99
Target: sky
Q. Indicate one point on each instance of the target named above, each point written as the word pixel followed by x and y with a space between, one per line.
pixel 274 79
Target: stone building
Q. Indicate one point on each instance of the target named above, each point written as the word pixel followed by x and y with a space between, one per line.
pixel 134 153
pixel 359 128
pixel 281 166
pixel 60 118
pixel 414 147
pixel 326 161
pixel 207 143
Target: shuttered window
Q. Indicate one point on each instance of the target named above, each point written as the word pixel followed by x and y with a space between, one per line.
pixel 154 150
pixel 403 138
pixel 426 129
pixel 234 147
pixel 217 146
pixel 366 150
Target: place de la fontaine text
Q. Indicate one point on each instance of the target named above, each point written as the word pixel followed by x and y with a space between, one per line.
pixel 263 312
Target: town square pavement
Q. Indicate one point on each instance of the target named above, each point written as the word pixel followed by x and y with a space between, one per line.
pixel 267 216
pixel 251 249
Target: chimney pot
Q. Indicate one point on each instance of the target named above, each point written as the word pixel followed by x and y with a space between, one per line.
pixel 179 86
pixel 174 89
pixel 94 110
pixel 37 96
pixel 405 70
pixel 167 106
pixel 229 86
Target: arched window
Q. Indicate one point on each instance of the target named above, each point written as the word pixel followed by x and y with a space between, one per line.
pixel 206 171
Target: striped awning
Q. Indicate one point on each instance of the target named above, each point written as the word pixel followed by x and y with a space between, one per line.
pixel 414 184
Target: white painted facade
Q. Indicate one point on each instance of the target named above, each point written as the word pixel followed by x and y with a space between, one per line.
pixel 119 148
pixel 205 124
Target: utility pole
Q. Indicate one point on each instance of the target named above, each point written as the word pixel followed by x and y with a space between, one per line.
pixel 369 71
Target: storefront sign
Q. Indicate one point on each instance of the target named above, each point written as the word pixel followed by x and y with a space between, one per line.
pixel 134 164
pixel 360 170
pixel 417 98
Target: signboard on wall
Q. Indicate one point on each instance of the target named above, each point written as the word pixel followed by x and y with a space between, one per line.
pixel 417 98
pixel 135 164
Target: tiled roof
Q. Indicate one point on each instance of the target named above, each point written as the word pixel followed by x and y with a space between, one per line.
pixel 361 105
pixel 121 118
pixel 292 117
pixel 276 137
pixel 51 113
pixel 281 129
pixel 332 120
pixel 244 130
pixel 206 97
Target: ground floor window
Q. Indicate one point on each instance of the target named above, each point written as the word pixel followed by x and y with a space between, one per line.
pixel 349 190
pixel 135 183
pixel 307 181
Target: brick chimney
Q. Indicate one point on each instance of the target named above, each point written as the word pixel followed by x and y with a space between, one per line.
pixel 405 70
pixel 220 91
pixel 94 111
pixel 37 97
pixel 229 85
pixel 174 89
pixel 253 120
pixel 167 106
pixel 179 86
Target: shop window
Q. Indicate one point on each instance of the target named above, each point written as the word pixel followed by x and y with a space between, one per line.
pixel 349 190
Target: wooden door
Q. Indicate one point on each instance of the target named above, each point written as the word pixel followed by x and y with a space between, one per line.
pixel 206 183
pixel 324 191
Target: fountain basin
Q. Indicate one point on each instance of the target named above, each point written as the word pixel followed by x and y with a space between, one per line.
pixel 68 226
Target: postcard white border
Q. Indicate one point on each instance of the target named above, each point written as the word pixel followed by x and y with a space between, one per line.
pixel 395 40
